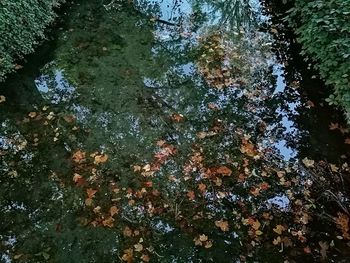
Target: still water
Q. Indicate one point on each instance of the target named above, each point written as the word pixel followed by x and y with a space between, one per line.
pixel 169 131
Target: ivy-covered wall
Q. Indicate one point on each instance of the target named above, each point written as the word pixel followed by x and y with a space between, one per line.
pixel 22 25
pixel 323 29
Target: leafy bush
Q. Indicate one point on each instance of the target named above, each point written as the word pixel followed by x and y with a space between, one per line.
pixel 323 29
pixel 22 25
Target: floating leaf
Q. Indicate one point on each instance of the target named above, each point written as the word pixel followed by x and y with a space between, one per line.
pixel 102 158
pixel 32 114
pixel 203 238
pixel 177 117
pixel 308 163
pixel 108 222
pixel 324 247
pixel 128 255
pixel 127 232
pixel 224 170
pixel 223 225
pixel 78 156
pixel 279 229
pixel 91 192
pixel 202 187
pixel 191 195
pixel 113 210
pixel 342 222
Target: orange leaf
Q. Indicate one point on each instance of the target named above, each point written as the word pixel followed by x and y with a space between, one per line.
pixel 113 210
pixel 224 170
pixel 91 192
pixel 177 117
pixel 145 258
pixel 148 184
pixel 342 222
pixel 202 187
pixel 191 195
pixel 78 156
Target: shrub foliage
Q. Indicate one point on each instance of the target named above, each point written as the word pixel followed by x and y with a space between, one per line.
pixel 22 25
pixel 323 29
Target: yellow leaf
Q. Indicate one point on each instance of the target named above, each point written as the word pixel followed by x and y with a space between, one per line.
pixel 256 225
pixel 258 232
pixel 279 229
pixel 101 159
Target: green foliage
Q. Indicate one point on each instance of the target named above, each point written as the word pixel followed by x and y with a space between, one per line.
pixel 323 29
pixel 22 25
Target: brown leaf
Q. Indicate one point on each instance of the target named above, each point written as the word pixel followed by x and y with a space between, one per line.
pixel 203 238
pixel 88 202
pixel 202 187
pixel 342 222
pixel 127 232
pixel 128 255
pixel 308 163
pixel 137 168
pixel 202 135
pixel 108 222
pixel 138 247
pixel 78 156
pixel 32 114
pixel 324 247
pixel 113 210
pixel 177 117
pixel 69 118
pixel 191 195
pixel 2 98
pixel 208 244
pixel 148 184
pixel 223 225
pixel 145 258
pixel 256 225
pixel 17 67
pixel 333 126
pixel 279 229
pixel 248 148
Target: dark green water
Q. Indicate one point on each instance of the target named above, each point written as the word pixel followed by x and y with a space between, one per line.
pixel 169 131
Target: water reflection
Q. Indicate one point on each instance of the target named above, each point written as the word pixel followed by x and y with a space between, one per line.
pixel 154 135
